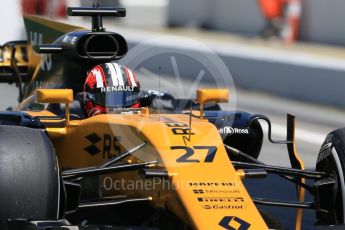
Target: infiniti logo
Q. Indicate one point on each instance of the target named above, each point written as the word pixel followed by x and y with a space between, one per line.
pixel 231 130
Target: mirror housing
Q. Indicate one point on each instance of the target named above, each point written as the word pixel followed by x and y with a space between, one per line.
pixel 204 96
pixel 56 96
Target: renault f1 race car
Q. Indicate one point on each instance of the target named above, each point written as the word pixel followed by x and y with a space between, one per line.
pixel 154 167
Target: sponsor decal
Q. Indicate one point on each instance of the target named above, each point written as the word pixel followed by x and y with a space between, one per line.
pixel 227 206
pixel 237 202
pixel 220 199
pixel 212 184
pixel 179 128
pixel 111 146
pixel 215 191
pixel 46 59
pixel 231 130
pixel 176 124
pixel 36 38
pixel 94 139
pixel 129 88
pixel 46 62
pixel 68 39
pixel 234 223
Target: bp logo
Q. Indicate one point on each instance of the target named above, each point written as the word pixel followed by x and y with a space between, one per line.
pixel 231 130
pixel 234 223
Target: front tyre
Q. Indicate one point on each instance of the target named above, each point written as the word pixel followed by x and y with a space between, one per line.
pixel 331 159
pixel 29 175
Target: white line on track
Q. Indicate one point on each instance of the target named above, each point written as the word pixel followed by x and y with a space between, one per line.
pixel 279 131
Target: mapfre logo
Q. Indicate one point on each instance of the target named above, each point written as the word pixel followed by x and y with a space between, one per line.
pixel 231 130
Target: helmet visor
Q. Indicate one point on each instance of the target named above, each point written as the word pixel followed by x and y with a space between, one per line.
pixel 116 99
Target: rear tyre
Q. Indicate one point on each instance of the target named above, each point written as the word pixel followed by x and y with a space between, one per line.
pixel 331 159
pixel 29 175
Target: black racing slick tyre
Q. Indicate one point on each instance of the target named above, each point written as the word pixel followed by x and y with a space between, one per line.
pixel 331 159
pixel 29 175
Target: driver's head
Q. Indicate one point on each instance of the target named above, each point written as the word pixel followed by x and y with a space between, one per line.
pixel 108 87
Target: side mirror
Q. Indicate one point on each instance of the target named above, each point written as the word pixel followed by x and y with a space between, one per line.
pixel 204 96
pixel 56 96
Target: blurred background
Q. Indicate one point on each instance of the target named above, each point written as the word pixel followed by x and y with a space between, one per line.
pixel 285 56
pixel 289 48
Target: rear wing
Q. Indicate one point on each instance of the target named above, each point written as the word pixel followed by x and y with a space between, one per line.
pixel 14 61
pixel 40 31
pixel 18 59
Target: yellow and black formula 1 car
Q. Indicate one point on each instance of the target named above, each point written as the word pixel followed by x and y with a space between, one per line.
pixel 146 168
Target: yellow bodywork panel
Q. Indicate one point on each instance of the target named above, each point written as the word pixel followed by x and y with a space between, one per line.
pixel 203 188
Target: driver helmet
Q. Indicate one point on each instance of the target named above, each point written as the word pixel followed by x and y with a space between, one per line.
pixel 109 87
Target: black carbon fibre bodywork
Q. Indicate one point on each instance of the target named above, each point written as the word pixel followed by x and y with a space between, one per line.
pixel 19 119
